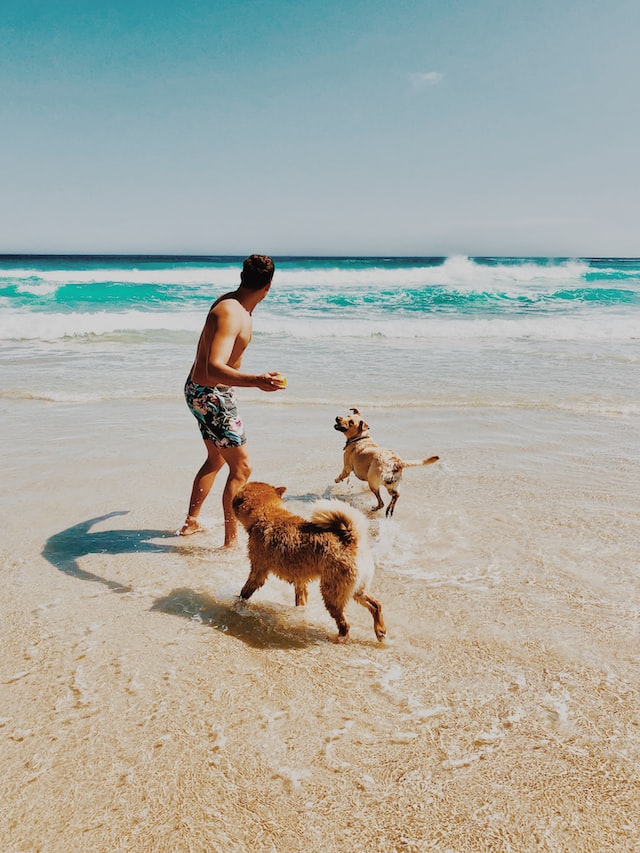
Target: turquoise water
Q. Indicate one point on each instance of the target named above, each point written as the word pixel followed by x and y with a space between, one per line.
pixel 472 331
pixel 83 295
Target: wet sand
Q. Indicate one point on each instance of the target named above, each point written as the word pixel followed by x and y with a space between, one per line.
pixel 143 708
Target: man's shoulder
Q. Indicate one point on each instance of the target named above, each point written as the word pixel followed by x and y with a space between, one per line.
pixel 227 304
pixel 227 309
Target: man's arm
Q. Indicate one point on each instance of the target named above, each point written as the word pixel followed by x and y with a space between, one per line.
pixel 228 327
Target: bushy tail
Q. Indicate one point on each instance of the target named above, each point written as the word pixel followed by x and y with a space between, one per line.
pixel 412 463
pixel 347 522
pixel 351 526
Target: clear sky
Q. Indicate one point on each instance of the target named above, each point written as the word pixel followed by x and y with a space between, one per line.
pixel 382 127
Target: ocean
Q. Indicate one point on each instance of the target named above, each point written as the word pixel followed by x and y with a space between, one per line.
pixel 427 331
pixel 145 708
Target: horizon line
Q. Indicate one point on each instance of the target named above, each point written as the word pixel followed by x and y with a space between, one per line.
pixel 314 256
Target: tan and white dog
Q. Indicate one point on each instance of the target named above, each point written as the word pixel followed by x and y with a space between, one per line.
pixel 370 462
pixel 333 547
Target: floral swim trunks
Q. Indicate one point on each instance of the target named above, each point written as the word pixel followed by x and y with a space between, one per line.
pixel 216 411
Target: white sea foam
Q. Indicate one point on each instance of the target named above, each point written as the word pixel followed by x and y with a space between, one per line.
pixel 460 271
pixel 541 327
pixel 586 325
pixel 18 325
pixel 40 288
pixel 457 272
pixel 226 276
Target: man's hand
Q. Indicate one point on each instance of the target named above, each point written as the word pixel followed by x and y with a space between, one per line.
pixel 270 381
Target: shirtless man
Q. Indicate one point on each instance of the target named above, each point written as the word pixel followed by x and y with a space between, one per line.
pixel 210 396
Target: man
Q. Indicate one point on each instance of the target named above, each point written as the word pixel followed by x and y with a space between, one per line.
pixel 210 396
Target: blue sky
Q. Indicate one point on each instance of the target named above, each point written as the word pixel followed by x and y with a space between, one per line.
pixel 388 128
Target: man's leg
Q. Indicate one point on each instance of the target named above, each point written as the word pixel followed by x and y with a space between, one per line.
pixel 202 486
pixel 237 458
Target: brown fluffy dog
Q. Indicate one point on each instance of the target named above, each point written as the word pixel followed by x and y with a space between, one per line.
pixel 377 465
pixel 333 546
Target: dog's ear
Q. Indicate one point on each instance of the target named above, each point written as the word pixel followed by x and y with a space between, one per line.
pixel 281 490
pixel 362 426
pixel 355 411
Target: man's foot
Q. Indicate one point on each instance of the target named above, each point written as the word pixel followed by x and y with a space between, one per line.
pixel 191 525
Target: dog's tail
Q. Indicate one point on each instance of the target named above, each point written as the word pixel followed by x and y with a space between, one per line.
pixel 412 463
pixel 347 522
pixel 352 528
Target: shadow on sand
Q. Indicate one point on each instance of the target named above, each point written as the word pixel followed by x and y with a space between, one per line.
pixel 64 549
pixel 258 625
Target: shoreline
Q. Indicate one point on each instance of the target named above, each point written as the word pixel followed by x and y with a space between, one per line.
pixel 146 709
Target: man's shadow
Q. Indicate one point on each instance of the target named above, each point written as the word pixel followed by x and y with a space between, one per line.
pixel 64 549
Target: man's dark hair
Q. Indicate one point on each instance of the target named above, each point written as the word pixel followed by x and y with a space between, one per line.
pixel 257 272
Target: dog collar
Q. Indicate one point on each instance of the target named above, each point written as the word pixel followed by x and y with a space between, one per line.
pixel 353 440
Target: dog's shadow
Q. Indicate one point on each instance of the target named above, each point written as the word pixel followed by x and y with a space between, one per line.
pixel 64 549
pixel 259 625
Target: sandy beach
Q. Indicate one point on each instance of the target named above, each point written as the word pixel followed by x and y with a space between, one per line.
pixel 143 708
